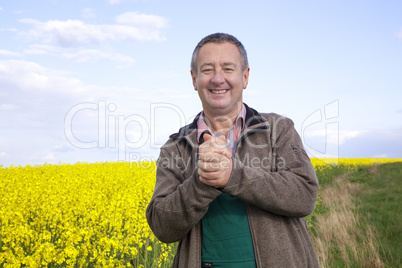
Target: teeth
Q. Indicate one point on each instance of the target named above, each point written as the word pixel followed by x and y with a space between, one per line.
pixel 219 91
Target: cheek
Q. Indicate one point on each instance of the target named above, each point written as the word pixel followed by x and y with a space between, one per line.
pixel 237 82
pixel 202 82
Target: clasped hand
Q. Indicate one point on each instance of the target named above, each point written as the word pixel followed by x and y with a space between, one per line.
pixel 214 162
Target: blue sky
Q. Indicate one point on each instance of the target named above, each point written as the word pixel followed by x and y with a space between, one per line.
pixel 109 80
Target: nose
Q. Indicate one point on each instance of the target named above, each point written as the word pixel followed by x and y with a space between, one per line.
pixel 218 78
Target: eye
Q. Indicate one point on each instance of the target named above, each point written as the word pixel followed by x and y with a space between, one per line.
pixel 208 70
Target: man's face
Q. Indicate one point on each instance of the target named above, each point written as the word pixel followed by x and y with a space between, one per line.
pixel 219 79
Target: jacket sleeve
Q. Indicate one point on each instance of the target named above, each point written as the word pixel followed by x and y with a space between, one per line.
pixel 289 187
pixel 178 202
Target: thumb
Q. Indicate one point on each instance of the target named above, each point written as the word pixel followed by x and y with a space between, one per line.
pixel 207 136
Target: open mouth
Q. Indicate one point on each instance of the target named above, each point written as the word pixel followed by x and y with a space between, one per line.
pixel 219 91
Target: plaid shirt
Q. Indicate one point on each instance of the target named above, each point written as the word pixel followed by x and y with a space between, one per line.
pixel 232 136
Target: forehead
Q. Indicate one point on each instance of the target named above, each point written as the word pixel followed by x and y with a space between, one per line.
pixel 218 52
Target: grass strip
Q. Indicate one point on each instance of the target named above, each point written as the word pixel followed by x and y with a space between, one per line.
pixel 341 237
pixel 380 203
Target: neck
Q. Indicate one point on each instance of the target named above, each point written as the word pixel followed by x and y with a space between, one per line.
pixel 221 123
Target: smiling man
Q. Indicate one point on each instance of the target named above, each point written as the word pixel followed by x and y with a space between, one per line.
pixel 242 200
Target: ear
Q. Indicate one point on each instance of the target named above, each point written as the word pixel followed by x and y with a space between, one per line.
pixel 245 77
pixel 194 78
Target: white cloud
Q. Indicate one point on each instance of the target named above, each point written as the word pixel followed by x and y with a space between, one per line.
pixel 2 154
pixel 8 107
pixel 40 49
pixel 66 147
pixel 130 27
pixel 30 76
pixel 19 12
pixel 9 53
pixel 114 2
pixel 49 157
pixel 89 55
pixel 35 101
pixel 65 33
pixel 29 82
pixel 142 20
pixel 32 96
pixel 333 136
pixel 79 55
pixel 8 30
pixel 345 135
pixel 380 156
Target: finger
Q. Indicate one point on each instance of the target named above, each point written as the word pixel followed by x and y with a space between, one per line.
pixel 222 149
pixel 207 136
pixel 207 144
pixel 209 178
pixel 226 153
pixel 204 152
pixel 212 157
pixel 215 179
pixel 206 181
pixel 219 142
pixel 209 166
pixel 207 150
pixel 214 162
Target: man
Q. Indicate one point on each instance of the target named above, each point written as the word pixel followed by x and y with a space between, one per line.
pixel 234 186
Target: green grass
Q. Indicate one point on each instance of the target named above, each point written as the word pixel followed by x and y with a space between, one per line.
pixel 381 204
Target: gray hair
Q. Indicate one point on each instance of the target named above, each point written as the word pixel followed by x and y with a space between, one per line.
pixel 220 38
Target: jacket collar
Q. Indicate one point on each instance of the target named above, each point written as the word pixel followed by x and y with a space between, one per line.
pixel 253 118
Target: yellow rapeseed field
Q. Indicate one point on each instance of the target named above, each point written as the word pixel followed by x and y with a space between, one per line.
pixel 350 163
pixel 77 216
pixel 87 215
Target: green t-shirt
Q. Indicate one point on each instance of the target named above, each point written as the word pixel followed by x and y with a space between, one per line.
pixel 226 234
